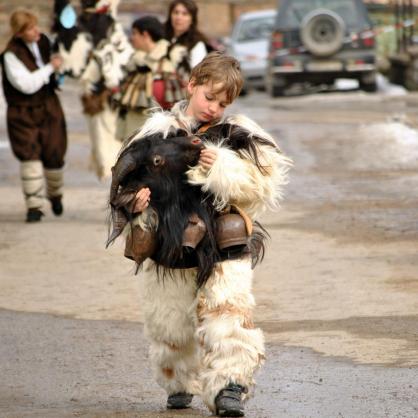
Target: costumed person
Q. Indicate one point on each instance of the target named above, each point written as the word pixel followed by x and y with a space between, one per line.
pixel 96 50
pixel 181 28
pixel 152 78
pixel 202 337
pixel 35 119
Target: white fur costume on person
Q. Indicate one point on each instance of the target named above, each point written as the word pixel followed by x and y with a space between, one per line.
pixel 103 64
pixel 106 63
pixel 204 338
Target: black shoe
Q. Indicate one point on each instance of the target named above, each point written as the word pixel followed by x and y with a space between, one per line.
pixel 181 400
pixel 56 204
pixel 34 215
pixel 228 401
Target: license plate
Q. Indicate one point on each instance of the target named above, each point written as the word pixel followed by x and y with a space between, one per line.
pixel 324 66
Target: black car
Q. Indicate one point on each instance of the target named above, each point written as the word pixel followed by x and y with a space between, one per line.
pixel 318 41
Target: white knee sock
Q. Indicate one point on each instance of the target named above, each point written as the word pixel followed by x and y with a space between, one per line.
pixel 32 177
pixel 54 182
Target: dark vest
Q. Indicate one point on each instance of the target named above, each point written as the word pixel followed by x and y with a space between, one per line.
pixel 22 52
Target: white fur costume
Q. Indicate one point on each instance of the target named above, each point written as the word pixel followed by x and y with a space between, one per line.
pixel 106 63
pixel 203 339
pixel 103 64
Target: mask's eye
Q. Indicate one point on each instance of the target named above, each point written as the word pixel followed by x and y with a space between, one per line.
pixel 158 160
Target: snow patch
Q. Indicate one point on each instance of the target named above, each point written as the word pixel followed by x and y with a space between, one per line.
pixel 393 144
pixel 388 89
pixel 394 131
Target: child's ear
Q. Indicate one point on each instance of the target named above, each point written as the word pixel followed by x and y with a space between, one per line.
pixel 190 87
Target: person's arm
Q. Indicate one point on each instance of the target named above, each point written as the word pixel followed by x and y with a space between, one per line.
pixel 234 178
pixel 21 78
pixel 197 53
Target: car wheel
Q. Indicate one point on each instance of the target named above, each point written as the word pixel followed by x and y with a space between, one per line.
pixel 277 91
pixel 276 86
pixel 322 32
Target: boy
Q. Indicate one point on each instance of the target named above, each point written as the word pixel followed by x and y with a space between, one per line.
pixel 153 58
pixel 203 339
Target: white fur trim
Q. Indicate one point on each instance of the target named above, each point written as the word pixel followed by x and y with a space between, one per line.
pixel 233 350
pixel 170 324
pixel 237 180
pixel 158 122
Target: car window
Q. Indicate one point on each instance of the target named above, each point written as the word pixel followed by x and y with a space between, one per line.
pixel 347 9
pixel 254 29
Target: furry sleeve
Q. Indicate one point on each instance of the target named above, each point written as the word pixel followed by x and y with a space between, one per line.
pixel 234 178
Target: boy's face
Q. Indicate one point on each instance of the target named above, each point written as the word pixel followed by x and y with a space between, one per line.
pixel 138 39
pixel 205 105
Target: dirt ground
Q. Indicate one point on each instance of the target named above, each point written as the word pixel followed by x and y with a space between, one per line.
pixel 336 294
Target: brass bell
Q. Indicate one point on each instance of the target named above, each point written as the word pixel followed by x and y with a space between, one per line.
pixel 231 232
pixel 194 232
pixel 140 244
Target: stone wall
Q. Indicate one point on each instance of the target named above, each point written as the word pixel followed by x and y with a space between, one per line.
pixel 215 16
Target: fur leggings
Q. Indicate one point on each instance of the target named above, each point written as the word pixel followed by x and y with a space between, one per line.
pixel 202 339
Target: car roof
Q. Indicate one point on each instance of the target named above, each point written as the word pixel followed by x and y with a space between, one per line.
pixel 259 13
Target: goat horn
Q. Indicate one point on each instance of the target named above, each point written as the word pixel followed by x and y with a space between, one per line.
pixel 118 222
pixel 124 165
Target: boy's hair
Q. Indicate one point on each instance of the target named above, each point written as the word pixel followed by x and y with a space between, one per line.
pixel 22 19
pixel 151 25
pixel 219 70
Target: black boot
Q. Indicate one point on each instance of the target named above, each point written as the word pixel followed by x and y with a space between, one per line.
pixel 56 205
pixel 181 400
pixel 34 215
pixel 228 401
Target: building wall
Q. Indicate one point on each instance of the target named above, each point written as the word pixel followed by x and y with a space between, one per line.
pixel 215 16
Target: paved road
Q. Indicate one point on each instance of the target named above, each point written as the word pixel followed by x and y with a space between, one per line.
pixel 337 292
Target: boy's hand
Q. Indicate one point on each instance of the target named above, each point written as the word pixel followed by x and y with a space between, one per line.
pixel 142 200
pixel 208 157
